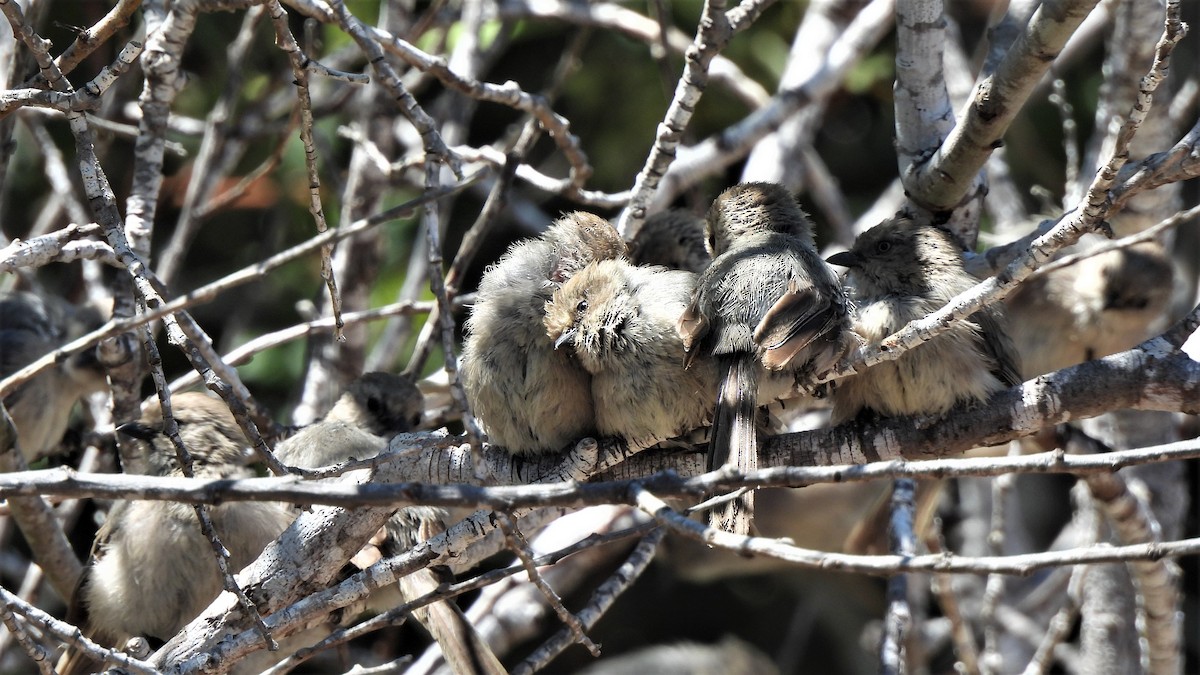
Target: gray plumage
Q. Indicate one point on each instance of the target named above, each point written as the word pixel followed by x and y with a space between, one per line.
pixel 153 570
pixel 900 271
pixel 529 397
pixel 30 326
pixel 1099 306
pixel 768 309
pixel 375 407
pixel 673 238
pixel 619 321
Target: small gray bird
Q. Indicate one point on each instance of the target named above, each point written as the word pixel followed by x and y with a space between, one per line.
pixel 152 569
pixel 769 310
pixel 673 238
pixel 30 326
pixel 1101 305
pixel 900 271
pixel 619 321
pixel 529 397
pixel 374 408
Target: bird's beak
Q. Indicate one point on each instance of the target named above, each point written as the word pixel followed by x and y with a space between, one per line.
pixel 567 335
pixel 844 259
pixel 137 430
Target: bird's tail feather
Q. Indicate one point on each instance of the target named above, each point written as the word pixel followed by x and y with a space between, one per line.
pixel 734 438
pixel 464 649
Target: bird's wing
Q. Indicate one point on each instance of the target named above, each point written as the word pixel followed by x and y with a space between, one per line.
pixel 999 346
pixel 800 316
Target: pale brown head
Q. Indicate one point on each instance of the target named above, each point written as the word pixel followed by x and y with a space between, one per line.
pixel 748 208
pixel 673 238
pixel 580 238
pixel 899 256
pixel 384 404
pixel 590 313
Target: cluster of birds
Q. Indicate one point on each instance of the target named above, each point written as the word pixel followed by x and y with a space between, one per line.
pixel 576 334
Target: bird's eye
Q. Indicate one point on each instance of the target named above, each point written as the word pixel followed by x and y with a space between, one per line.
pixel 374 405
pixel 582 306
pixel 883 246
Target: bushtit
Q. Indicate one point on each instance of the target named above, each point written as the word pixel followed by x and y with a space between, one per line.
pixel 673 238
pixel 900 271
pixel 152 569
pixel 530 397
pixel 769 309
pixel 30 326
pixel 375 407
pixel 619 321
pixel 1099 306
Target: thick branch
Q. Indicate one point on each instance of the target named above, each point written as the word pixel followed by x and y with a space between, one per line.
pixel 940 184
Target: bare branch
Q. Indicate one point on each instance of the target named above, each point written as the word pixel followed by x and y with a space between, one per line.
pixel 941 183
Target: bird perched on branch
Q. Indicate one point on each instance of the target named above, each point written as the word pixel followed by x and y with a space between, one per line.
pixel 673 238
pixel 619 321
pixel 900 271
pixel 152 569
pixel 375 407
pixel 32 325
pixel 1101 305
pixel 768 309
pixel 529 397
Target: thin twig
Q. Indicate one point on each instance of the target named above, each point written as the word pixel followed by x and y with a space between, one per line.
pixel 220 552
pixel 960 630
pixel 712 34
pixel 247 351
pixel 299 61
pixel 1060 624
pixel 1066 113
pixel 601 600
pixel 888 565
pixel 290 489
pixel 520 547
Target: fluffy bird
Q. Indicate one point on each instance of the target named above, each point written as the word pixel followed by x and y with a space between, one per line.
pixel 152 569
pixel 30 326
pixel 673 238
pixel 619 321
pixel 529 397
pixel 374 408
pixel 1099 306
pixel 900 271
pixel 767 309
